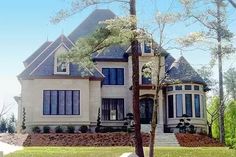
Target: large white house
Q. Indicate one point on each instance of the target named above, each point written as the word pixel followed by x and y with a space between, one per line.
pixel 54 93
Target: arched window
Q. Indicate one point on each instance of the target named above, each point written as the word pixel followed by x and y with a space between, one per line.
pixel 146 75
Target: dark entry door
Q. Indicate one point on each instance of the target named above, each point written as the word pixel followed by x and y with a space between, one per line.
pixel 146 106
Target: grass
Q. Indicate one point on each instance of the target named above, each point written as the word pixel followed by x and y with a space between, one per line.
pixel 117 151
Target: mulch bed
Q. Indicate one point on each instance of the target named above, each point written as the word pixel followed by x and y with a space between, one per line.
pixel 83 139
pixel 197 140
pixel 13 139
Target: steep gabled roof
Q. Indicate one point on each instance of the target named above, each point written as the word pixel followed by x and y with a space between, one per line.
pixel 91 23
pixel 112 53
pixel 43 65
pixel 182 71
pixel 30 59
pixel 169 60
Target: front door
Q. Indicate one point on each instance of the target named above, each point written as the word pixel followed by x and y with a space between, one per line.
pixel 146 106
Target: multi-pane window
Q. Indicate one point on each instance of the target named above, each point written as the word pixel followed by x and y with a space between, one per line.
pixel 188 104
pixel 61 102
pixel 188 87
pixel 197 105
pixel 112 109
pixel 178 87
pixel 179 105
pixel 170 106
pixel 113 76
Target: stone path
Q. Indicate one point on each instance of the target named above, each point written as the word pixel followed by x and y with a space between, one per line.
pixel 7 148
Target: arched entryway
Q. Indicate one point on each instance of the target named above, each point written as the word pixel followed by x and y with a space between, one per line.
pixel 146 106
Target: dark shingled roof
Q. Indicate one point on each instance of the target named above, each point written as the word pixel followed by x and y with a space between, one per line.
pixel 91 23
pixel 182 71
pixel 169 60
pixel 43 66
pixel 112 53
pixel 36 53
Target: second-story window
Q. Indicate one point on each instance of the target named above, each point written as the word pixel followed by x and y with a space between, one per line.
pixel 146 75
pixel 113 76
pixel 147 47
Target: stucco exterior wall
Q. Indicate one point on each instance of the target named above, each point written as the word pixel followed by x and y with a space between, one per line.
pixel 94 100
pixel 32 100
pixel 117 91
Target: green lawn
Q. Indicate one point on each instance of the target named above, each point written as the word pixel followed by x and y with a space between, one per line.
pixel 117 151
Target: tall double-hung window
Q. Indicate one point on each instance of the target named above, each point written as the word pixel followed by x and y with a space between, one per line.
pixel 113 76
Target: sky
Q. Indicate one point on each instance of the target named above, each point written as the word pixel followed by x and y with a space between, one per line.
pixel 25 25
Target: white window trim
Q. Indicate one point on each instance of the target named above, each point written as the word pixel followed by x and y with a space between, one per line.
pixel 142 49
pixel 55 65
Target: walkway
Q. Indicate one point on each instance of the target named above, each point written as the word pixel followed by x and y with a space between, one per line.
pixel 7 148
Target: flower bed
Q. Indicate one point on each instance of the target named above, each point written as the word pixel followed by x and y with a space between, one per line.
pixel 197 140
pixel 86 139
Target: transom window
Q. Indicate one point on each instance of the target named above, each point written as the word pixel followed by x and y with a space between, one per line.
pixel 178 87
pixel 113 76
pixel 170 88
pixel 112 109
pixel 188 87
pixel 196 88
pixel 61 102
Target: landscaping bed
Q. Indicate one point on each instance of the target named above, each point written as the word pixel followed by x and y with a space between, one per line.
pixel 197 140
pixel 13 139
pixel 83 139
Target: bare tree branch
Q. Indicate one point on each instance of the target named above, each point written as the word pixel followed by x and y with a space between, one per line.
pixel 232 3
pixel 4 110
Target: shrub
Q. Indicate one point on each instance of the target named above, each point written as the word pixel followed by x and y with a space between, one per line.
pixel 124 128
pixel 83 129
pixel 11 129
pixel 58 129
pixel 46 129
pixel 98 129
pixel 36 129
pixel 70 129
pixel 3 125
pixel 23 126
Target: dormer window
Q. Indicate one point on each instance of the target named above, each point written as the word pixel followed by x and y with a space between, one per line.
pixel 60 66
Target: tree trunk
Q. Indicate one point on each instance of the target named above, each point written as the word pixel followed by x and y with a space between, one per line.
pixel 221 92
pixel 135 78
pixel 210 130
pixel 154 112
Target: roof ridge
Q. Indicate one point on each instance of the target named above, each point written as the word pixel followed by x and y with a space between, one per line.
pixel 34 53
